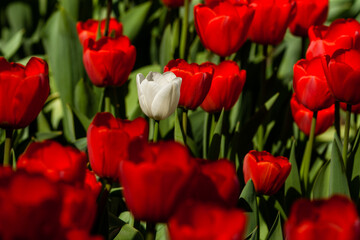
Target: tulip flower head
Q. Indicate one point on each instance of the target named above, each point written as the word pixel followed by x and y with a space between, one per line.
pixel 24 90
pixel 310 85
pixel 267 172
pixel 158 94
pixel 303 116
pixel 308 13
pixel 331 219
pixel 342 72
pixel 341 34
pixel 196 81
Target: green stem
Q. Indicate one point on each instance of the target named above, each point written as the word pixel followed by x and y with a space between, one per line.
pixel 205 135
pixel 184 30
pixel 116 102
pixel 337 118
pixel 107 100
pixel 184 122
pixel 150 231
pixel 108 13
pixel 346 134
pixel 156 130
pixel 303 47
pixel 7 147
pixel 305 165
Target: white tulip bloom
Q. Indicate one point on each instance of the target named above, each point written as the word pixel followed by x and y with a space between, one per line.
pixel 158 93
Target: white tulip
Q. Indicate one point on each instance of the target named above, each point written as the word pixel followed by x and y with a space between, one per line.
pixel 158 93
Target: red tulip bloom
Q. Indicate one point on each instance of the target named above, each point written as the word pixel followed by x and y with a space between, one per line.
pixel 332 219
pixel 91 183
pixel 108 139
pixel 30 207
pixel 24 90
pixel 58 163
pixel 226 86
pixel 196 81
pixel 267 172
pixel 81 235
pixel 229 21
pixel 310 85
pixel 217 182
pixel 78 208
pixel 308 13
pixel 271 20
pixel 303 116
pixel 341 34
pixel 354 108
pixel 173 3
pixel 200 221
pixel 108 61
pixel 343 75
pixel 155 179
pixel 89 29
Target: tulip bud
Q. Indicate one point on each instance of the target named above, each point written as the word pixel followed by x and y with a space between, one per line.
pixel 158 93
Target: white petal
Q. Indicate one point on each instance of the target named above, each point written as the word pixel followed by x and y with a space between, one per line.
pixel 166 101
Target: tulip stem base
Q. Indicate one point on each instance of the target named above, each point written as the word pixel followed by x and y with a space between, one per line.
pixel 346 134
pixel 305 165
pixel 7 147
pixel 108 13
pixel 156 130
pixel 184 122
pixel 337 118
pixel 150 231
pixel 206 135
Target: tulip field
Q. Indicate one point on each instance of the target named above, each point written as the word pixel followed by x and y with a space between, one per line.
pixel 179 120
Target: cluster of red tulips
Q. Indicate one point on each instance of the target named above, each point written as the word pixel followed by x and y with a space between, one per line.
pixel 53 188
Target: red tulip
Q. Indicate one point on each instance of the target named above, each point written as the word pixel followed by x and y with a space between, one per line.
pixel 310 85
pixel 108 139
pixel 308 13
pixel 200 221
pixel 229 21
pixel 81 235
pixel 173 3
pixel 78 208
pixel 154 179
pixel 91 183
pixel 109 61
pixel 271 20
pixel 331 219
pixel 354 108
pixel 30 207
pixel 216 182
pixel 303 116
pixel 58 163
pixel 227 84
pixel 89 29
pixel 24 92
pixel 341 34
pixel 342 72
pixel 196 81
pixel 267 172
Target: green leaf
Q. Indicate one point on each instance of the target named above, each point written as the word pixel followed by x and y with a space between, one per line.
pixel 292 183
pixel 64 51
pixel 166 50
pixel 178 135
pixel 354 160
pixel 275 232
pixel 321 183
pixel 338 182
pixel 133 19
pixel 40 136
pixel 86 101
pixel 215 139
pixel 11 46
pixel 19 16
pixel 120 230
pixel 68 122
pixel 248 196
